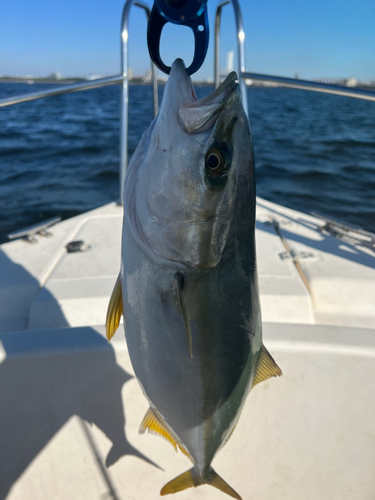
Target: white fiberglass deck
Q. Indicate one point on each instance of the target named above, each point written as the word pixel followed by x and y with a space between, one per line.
pixel 307 435
pixel 42 286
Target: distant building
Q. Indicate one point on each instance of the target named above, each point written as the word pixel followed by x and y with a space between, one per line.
pixel 148 76
pixel 162 77
pixel 230 60
pixel 230 64
pixel 56 75
pixel 351 82
pixel 348 82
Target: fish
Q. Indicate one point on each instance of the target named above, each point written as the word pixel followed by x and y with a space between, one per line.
pixel 188 286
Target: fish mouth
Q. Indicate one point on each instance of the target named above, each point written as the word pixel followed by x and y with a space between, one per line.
pixel 179 77
pixel 198 115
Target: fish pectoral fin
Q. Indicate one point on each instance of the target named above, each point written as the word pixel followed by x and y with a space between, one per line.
pixel 154 424
pixel 179 284
pixel 266 367
pixel 191 479
pixel 114 311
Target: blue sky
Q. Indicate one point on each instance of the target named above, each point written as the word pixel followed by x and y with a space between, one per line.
pixel 330 38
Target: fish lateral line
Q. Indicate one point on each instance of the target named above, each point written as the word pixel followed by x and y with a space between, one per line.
pixel 179 281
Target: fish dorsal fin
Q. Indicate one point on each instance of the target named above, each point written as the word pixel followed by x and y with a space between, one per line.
pixel 114 311
pixel 154 424
pixel 266 367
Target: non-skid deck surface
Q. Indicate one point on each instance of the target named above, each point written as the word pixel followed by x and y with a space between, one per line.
pixel 68 397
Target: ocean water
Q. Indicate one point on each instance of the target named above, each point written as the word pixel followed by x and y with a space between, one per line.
pixel 59 156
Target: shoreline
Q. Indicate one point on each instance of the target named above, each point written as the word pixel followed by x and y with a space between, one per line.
pixel 136 81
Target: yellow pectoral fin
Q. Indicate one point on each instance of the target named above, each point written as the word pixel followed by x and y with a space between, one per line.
pixel 114 311
pixel 153 423
pixel 179 283
pixel 266 367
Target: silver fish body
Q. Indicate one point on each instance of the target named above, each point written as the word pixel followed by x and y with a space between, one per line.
pixel 188 275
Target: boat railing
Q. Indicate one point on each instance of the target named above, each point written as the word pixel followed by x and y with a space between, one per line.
pixel 124 122
pixel 325 88
pixel 240 47
pixel 278 81
pixel 123 78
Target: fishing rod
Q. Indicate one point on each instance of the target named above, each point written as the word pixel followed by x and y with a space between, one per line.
pixel 190 13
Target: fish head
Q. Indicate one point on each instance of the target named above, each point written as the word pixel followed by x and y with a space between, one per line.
pixel 181 187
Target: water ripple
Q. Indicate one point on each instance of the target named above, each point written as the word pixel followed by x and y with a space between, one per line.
pixel 60 156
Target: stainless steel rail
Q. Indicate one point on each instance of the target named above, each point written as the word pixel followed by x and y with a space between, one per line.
pixel 125 87
pixel 240 46
pixel 61 89
pixel 312 86
pixel 219 10
pixel 103 82
pixel 278 80
pixel 124 77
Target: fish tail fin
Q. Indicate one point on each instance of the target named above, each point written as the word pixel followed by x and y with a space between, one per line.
pixel 188 479
pixel 191 479
pixel 219 483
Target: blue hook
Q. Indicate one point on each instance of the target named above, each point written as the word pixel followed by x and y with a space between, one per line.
pixel 191 13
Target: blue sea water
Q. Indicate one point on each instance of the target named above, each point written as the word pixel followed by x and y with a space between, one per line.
pixel 59 156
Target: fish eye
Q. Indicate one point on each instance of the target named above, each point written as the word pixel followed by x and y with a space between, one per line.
pixel 215 163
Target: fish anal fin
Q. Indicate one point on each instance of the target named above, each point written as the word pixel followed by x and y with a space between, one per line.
pixel 266 367
pixel 114 311
pixel 191 479
pixel 153 423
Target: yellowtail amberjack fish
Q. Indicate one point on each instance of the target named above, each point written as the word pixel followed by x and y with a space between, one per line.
pixel 188 287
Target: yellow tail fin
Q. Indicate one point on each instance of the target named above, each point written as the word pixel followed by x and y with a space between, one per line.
pixel 191 479
pixel 180 483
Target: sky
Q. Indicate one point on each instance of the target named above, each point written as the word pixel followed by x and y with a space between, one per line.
pixel 320 38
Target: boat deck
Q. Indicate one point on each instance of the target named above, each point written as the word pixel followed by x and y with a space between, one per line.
pixel 305 275
pixel 71 407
